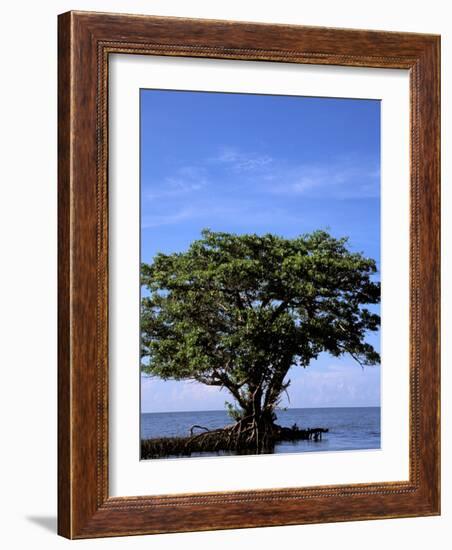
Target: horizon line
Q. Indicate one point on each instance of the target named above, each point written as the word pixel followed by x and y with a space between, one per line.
pixel 281 410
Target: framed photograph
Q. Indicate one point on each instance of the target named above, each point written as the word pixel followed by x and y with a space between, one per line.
pixel 248 275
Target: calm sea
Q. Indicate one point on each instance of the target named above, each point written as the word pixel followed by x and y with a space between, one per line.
pixel 350 428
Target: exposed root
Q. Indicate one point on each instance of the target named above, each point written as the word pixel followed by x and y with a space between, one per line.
pixel 199 428
pixel 246 436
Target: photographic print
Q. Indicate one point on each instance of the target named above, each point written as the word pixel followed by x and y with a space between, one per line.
pixel 221 260
pixel 260 274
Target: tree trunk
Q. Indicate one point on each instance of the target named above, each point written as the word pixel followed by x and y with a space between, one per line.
pixel 256 428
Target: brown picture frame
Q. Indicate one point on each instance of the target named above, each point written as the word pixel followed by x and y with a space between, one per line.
pixel 85 42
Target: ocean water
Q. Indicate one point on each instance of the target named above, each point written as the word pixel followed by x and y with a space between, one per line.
pixel 350 428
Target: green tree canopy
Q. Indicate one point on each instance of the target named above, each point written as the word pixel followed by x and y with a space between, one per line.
pixel 238 311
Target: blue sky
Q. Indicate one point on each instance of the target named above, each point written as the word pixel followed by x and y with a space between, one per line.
pixel 248 163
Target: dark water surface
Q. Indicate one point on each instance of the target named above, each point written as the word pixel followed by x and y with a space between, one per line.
pixel 350 428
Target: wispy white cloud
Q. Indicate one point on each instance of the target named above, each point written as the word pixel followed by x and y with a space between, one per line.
pixel 336 178
pixel 209 212
pixel 241 161
pixel 186 179
pixel 336 384
pixel 168 396
pixel 261 189
pixel 349 177
pixel 333 385
pixel 156 220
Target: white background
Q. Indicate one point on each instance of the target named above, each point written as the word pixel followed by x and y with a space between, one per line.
pixel 28 271
pixel 128 475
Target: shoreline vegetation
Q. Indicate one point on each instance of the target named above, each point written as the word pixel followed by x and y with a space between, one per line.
pixel 234 438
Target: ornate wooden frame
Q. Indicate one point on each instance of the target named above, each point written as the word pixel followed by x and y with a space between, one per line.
pixel 85 42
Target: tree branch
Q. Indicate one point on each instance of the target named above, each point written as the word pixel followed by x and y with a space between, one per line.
pixel 282 306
